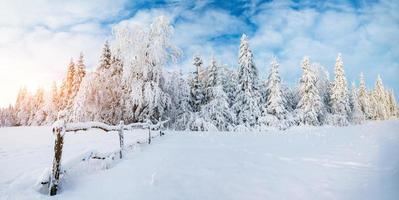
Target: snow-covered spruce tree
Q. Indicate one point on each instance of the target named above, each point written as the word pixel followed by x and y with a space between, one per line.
pixel 393 108
pixel 49 110
pixel 229 81
pixel 23 107
pixel 339 96
pixel 309 109
pixel 37 117
pixel 216 112
pixel 274 112
pixel 380 100
pixel 247 102
pixel 197 92
pixel 180 113
pixel 145 52
pixel 291 95
pixel 99 97
pixel 87 101
pixel 110 91
pixel 373 108
pixel 7 116
pixel 324 86
pixel 211 80
pixel 363 98
pixel 102 91
pixel 356 115
pixel 91 98
pixel 80 72
pixel 67 93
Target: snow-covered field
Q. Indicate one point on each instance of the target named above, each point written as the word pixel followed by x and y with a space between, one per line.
pixel 355 162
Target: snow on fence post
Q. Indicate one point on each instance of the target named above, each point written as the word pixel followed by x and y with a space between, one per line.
pixel 121 138
pixel 58 131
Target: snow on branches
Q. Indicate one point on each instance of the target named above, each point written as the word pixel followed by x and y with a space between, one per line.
pixel 130 83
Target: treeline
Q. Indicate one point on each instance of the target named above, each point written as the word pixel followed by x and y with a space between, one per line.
pixel 130 84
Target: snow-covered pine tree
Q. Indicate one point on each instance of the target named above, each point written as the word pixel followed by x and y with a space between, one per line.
pixel 37 117
pixel 86 103
pixel 229 81
pixel 247 102
pixel 67 93
pixel 339 96
pixel 99 97
pixel 216 112
pixel 356 114
pixel 274 112
pixel 105 58
pixel 373 109
pixel 102 79
pixel 111 91
pixel 23 106
pixel 393 108
pixel 324 86
pixel 197 92
pixel 380 99
pixel 50 108
pixel 80 72
pixel 363 98
pixel 309 109
pixel 180 114
pixel 211 80
pixel 7 116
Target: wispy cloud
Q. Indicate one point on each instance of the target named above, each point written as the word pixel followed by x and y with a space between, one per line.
pixel 37 38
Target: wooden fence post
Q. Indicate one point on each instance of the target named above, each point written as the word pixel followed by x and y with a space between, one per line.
pixel 55 174
pixel 149 135
pixel 121 138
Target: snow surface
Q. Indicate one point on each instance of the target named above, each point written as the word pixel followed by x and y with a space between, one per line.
pixel 355 162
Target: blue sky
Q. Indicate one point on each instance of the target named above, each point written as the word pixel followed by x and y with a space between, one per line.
pixel 38 37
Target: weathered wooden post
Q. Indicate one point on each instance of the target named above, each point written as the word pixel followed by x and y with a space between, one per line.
pixel 121 138
pixel 149 134
pixel 58 131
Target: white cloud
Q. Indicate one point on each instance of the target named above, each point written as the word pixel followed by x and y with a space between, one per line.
pixel 38 37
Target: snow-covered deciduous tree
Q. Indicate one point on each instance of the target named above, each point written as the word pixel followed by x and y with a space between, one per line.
pixel 145 52
pixel 248 97
pixel 339 95
pixel 274 109
pixel 309 109
pixel 356 115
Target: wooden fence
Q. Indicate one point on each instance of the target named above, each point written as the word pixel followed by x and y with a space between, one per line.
pixel 60 128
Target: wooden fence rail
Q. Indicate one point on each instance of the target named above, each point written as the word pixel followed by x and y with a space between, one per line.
pixel 60 128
